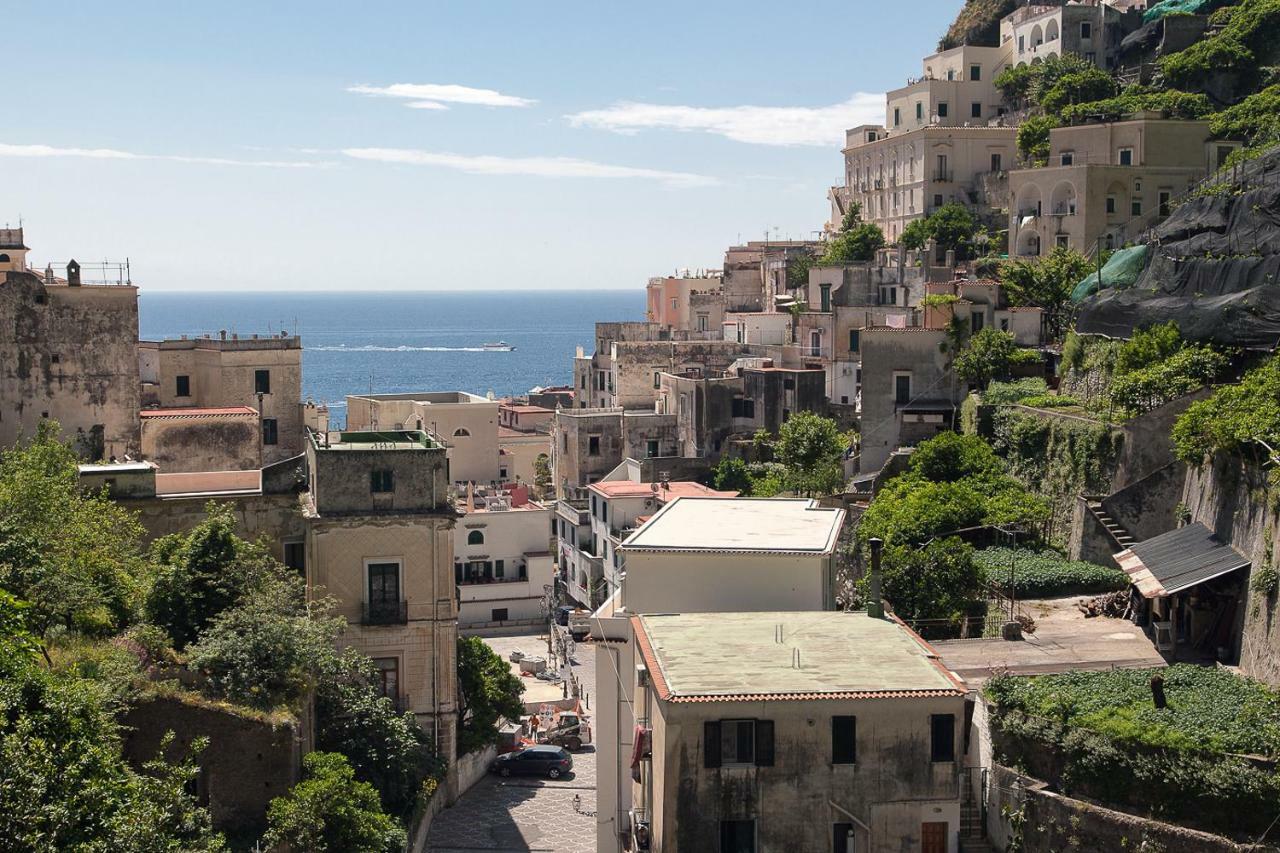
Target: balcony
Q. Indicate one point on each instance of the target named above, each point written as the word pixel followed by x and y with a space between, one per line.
pixel 385 613
pixel 943 176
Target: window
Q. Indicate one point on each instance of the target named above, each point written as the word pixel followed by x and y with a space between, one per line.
pixel 182 386
pixel 593 445
pixel 1086 30
pixel 744 407
pixel 942 109
pixel 951 74
pixel 1126 157
pixel 651 447
pixel 975 110
pixel 825 291
pixel 387 671
pixel 975 72
pixel 1067 158
pixel 854 335
pixel 1091 57
pixel 788 383
pixel 1062 241
pixel 937 200
pixel 1135 207
pixel 1164 202
pixel 844 740
pixel 1111 204
pixel 997 163
pixel 499 568
pixel 462 432
pixel 1022 44
pixel 737 742
pixel 262 381
pixel 919 111
pixel 295 556
pixel 675 303
pixel 976 320
pixel 381 481
pixel 270 431
pixel 897 116
pixel 499 614
pixel 942 740
pixel 902 389
pixel 384 583
pixel 475 537
pixel 1004 324
pixel 842 838
pixel 737 836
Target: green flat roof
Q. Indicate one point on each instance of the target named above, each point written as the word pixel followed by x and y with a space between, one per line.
pixel 382 440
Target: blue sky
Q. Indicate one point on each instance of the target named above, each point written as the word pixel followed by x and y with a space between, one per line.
pixel 480 145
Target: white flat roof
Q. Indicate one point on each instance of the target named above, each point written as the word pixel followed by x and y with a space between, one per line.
pixel 795 525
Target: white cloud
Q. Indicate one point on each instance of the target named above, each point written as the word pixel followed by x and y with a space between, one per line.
pixel 756 125
pixel 542 167
pixel 115 154
pixel 435 96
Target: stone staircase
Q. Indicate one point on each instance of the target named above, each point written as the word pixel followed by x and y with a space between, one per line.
pixel 973 834
pixel 1117 531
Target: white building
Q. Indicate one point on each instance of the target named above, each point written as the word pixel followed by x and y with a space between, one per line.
pixel 699 555
pixel 465 423
pixel 502 562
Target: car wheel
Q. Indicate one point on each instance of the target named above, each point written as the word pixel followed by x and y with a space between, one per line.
pixel 553 773
pixel 506 771
pixel 573 744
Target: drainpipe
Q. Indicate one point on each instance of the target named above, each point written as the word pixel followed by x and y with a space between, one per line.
pixel 875 606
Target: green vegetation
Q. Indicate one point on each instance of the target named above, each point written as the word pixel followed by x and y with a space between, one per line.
pixel 1256 119
pixel 978 23
pixel 542 474
pixel 1240 48
pixel 1233 418
pixel 1181 105
pixel 991 354
pixel 1046 283
pixel 1003 393
pixel 1156 366
pixel 857 244
pixel 487 691
pixel 937 582
pixel 1208 709
pixel 953 482
pixel 1049 401
pixel 916 234
pixel 811 449
pixel 937 300
pixel 1088 85
pixel 1033 139
pixel 331 811
pixel 1045 573
pixel 951 227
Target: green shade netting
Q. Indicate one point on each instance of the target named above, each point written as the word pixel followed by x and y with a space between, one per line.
pixel 1190 7
pixel 1121 270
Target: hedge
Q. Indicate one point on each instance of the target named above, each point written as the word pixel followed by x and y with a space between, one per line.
pixel 1045 574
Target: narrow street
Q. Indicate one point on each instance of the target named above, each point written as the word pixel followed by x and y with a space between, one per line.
pixel 523 815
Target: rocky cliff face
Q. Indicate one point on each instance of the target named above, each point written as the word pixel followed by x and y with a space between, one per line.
pixel 978 23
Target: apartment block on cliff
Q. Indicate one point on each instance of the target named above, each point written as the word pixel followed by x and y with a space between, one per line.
pixel 380 530
pixel 834 731
pixel 68 352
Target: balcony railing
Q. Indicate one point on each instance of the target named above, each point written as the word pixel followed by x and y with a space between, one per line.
pixel 385 613
pixel 943 176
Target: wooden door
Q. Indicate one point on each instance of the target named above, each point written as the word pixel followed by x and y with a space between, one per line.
pixel 933 837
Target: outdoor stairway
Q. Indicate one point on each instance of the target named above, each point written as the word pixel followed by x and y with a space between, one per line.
pixel 973 835
pixel 1118 533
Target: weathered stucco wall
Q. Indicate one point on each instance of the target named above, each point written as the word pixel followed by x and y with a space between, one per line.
pixel 185 444
pixel 69 353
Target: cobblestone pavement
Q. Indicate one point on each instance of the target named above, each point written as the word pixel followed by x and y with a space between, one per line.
pixel 526 815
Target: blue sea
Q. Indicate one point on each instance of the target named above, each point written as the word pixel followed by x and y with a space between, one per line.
pixel 392 342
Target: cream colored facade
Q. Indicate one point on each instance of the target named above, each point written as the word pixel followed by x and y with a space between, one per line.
pixel 686 302
pixel 467 424
pixel 956 90
pixel 380 541
pixel 262 373
pixel 707 555
pixel 1105 182
pixel 1038 32
pixel 517 453
pixel 503 564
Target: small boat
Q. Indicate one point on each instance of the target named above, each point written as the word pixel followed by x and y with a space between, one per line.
pixel 499 346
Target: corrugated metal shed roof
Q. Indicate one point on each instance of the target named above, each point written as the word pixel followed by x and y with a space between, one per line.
pixel 1178 560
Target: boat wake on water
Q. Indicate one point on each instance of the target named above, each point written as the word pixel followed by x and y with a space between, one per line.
pixel 405 348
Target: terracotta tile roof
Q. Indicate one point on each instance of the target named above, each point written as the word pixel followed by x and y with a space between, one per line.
pixel 669 491
pixel 225 411
pixel 900 329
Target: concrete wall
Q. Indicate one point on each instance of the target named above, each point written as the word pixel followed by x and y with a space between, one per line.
pixel 887 353
pixel 277 517
pixel 634 365
pixel 247 763
pixel 69 353
pixel 691 582
pixel 178 444
pixel 340 479
pixel 893 787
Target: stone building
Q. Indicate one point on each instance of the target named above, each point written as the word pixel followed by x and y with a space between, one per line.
pixel 379 540
pixel 466 423
pixel 260 373
pixel 909 392
pixel 757 271
pixel 229 438
pixel 67 354
pixel 587 444
pixel 502 559
pixel 793 731
pixel 1093 31
pixel 686 301
pixel 1106 182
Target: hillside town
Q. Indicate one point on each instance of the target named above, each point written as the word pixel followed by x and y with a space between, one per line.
pixel 951 529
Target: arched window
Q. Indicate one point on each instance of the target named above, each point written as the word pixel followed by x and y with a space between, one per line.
pixel 475 537
pixel 461 431
pixel 4 259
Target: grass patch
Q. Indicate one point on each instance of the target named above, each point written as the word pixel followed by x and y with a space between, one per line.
pixel 1045 574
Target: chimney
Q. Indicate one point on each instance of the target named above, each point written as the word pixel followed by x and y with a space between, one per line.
pixel 222 334
pixel 875 607
pixel 73 273
pixel 951 258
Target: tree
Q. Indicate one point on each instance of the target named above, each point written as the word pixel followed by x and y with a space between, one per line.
pixel 858 244
pixel 852 216
pixel 1078 87
pixel 75 558
pixel 202 573
pixel 731 475
pixel 1033 139
pixel 953 227
pixel 916 234
pixel 1046 283
pixel 386 748
pixel 487 691
pixel 990 354
pixel 811 449
pixel 330 811
pixel 269 649
pixel 937 581
pixel 798 266
pixel 950 456
pixel 542 474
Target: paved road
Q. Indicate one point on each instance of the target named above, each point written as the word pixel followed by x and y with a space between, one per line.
pixel 526 815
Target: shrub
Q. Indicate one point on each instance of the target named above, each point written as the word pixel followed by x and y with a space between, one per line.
pixel 1176 105
pixel 329 810
pixel 1002 393
pixel 1048 401
pixel 1233 417
pixel 858 244
pixel 1077 87
pixel 1256 119
pixel 938 581
pixel 991 354
pixel 1033 139
pixel 1149 387
pixel 1045 574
